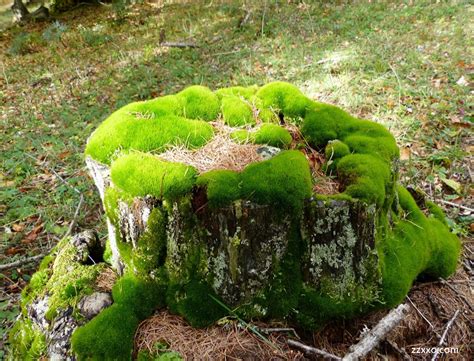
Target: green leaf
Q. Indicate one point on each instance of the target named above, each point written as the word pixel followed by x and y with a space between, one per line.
pixel 455 186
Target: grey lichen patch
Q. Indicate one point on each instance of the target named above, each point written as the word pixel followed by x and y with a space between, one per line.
pixel 340 247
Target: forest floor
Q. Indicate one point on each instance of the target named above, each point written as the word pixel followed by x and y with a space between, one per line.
pixel 408 67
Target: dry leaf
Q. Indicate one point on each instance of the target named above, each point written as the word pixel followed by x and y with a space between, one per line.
pixel 405 153
pixel 18 227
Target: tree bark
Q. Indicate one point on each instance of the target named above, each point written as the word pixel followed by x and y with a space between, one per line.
pixel 242 246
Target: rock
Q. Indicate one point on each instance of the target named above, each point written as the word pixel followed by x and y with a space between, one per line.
pixel 268 152
pixel 91 305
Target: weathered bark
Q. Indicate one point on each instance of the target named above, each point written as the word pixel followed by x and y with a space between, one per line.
pixel 243 244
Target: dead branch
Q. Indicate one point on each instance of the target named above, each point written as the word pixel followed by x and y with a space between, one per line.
pixel 445 333
pixel 278 329
pixel 376 334
pixel 452 204
pixel 168 44
pixel 20 262
pixel 74 219
pixel 311 351
pixel 422 316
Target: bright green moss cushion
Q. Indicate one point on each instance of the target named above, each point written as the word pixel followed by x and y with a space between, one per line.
pixel 126 130
pixel 141 174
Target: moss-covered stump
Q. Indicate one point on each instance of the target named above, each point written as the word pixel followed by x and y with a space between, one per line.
pixel 258 200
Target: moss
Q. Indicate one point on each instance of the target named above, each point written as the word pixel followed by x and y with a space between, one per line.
pixel 46 262
pixel 194 301
pixel 284 97
pixel 150 252
pixel 268 182
pixel 273 182
pixel 27 342
pixel 416 246
pixel 223 187
pixel 125 130
pixel 436 212
pixel 199 102
pixel 236 112
pixel 366 177
pixel 273 135
pixel 316 308
pixel 239 91
pixel 110 334
pixel 242 136
pixel 282 296
pixel 108 255
pixel 141 174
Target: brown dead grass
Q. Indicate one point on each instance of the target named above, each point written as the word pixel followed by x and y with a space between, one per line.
pixel 219 153
pixel 106 280
pixel 224 153
pixel 228 342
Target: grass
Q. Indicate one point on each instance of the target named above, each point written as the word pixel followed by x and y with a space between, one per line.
pixel 394 63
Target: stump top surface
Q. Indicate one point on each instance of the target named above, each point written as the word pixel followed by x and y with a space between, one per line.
pixel 258 143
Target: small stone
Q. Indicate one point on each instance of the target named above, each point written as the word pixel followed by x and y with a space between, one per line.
pixel 267 152
pixel 91 305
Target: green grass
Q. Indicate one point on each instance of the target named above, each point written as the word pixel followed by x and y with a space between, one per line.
pixel 393 63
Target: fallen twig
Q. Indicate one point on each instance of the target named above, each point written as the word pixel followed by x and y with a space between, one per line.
pixel 445 333
pixel 21 262
pixel 179 45
pixel 422 315
pixel 309 350
pixel 74 219
pixel 452 204
pixel 376 334
pixel 279 329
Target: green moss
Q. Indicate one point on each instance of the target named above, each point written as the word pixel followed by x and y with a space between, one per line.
pixel 27 342
pixel 109 335
pixel 335 149
pixel 108 255
pixel 284 97
pixel 244 92
pixel 125 130
pixel 223 187
pixel 199 102
pixel 436 212
pixel 194 301
pixel 150 252
pixel 268 182
pixel 273 135
pixel 366 177
pixel 236 112
pixel 417 246
pixel 242 136
pixel 316 308
pixel 141 174
pixel 46 262
pixel 274 182
pixel 69 281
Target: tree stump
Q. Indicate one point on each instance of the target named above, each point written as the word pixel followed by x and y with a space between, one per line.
pixel 253 202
